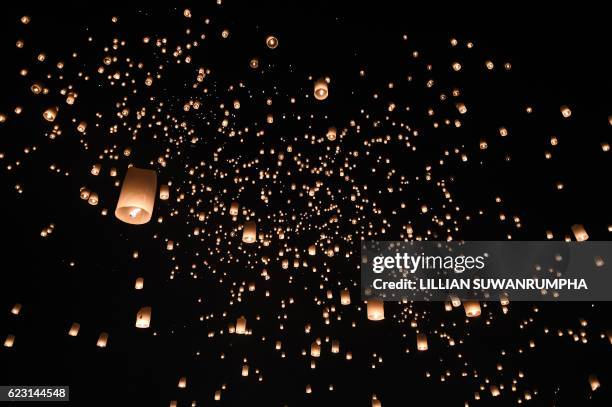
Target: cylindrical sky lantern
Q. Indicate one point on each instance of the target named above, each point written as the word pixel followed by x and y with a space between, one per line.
pixel 50 114
pixel 139 283
pixel 335 346
pixel 320 89
pixel 135 205
pixel 143 318
pixel 331 133
pixel 345 297
pixel 234 208
pixel 102 340
pixel 241 325
pixel 422 342
pixel 16 309
pixel 9 341
pixel 164 192
pixel 315 350
pixel 580 233
pixel 594 382
pixel 376 310
pixel 74 329
pixel 249 232
pixel 472 308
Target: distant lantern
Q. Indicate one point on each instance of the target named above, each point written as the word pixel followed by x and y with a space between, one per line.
pixel 461 107
pixel 93 199
pixel 139 285
pixel 249 232
pixel 135 205
pixel 245 370
pixel 102 340
pixel 16 309
pixel 320 89
pixel 312 250
pixel 182 382
pixel 494 390
pixel 580 233
pixel 594 382
pixel 272 42
pixel 241 326
pixel 217 395
pixel 164 192
pixel 95 169
pixel 9 341
pixel 50 114
pixel 254 63
pixel 345 297
pixel 234 208
pixel 82 127
pixel 376 310
pixel 331 133
pixel 422 342
pixel 315 350
pixel 143 317
pixel 335 346
pixel 170 245
pixel 503 299
pixel 566 111
pixel 472 308
pixel 74 329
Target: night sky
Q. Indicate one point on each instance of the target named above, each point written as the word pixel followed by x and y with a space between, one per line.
pixel 474 123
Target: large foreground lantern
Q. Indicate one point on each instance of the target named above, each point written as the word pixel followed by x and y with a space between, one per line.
pixel 135 205
pixel 376 310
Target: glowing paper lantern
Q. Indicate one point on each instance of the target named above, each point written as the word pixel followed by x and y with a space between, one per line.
pixel 422 342
pixel 135 205
pixel 182 382
pixel 249 232
pixel 9 341
pixel 139 283
pixel 345 297
pixel 331 133
pixel 580 233
pixel 102 340
pixel 315 350
pixel 50 114
pixel 376 310
pixel 74 329
pixel 241 325
pixel 320 89
pixel 16 309
pixel 472 308
pixel 594 382
pixel 335 346
pixel 272 42
pixel 164 192
pixel 234 208
pixel 245 370
pixel 143 318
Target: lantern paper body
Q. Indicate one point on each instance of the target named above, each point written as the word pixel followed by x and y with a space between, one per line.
pixel 472 308
pixel 139 285
pixel 320 89
pixel 249 232
pixel 143 318
pixel 376 310
pixel 345 297
pixel 234 209
pixel 16 309
pixel 594 382
pixel 422 342
pixel 315 350
pixel 135 205
pixel 74 329
pixel 182 383
pixel 580 233
pixel 102 340
pixel 241 326
pixel 9 341
pixel 164 192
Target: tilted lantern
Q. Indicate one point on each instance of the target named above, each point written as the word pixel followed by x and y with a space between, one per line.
pixel 143 318
pixel 135 205
pixel 580 233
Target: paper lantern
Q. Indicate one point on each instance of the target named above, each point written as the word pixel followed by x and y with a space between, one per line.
pixel 164 192
pixel 139 283
pixel 50 114
pixel 422 342
pixel 182 382
pixel 472 308
pixel 9 341
pixel 331 133
pixel 345 297
pixel 143 318
pixel 594 382
pixel 16 309
pixel 82 127
pixel 315 350
pixel 234 208
pixel 461 107
pixel 320 89
pixel 74 329
pixel 135 205
pixel 245 370
pixel 217 395
pixel 241 325
pixel 376 310
pixel 312 250
pixel 102 340
pixel 272 42
pixel 95 169
pixel 580 233
pixel 249 232
pixel 93 199
pixel 335 346
pixel 566 111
